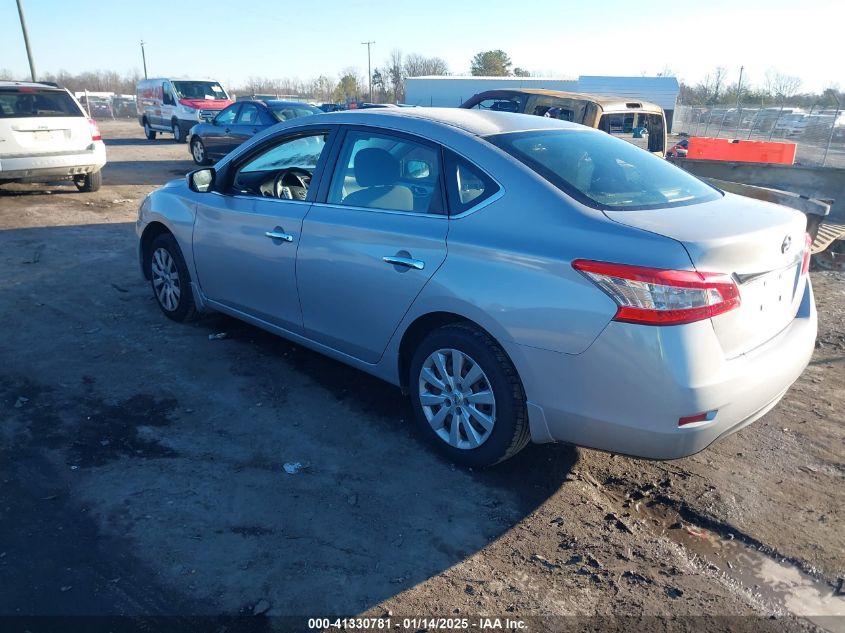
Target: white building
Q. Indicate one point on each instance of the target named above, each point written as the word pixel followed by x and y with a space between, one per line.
pixel 452 91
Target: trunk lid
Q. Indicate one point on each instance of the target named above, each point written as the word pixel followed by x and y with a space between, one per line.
pixel 758 243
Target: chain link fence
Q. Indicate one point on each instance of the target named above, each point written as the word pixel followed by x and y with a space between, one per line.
pixel 819 133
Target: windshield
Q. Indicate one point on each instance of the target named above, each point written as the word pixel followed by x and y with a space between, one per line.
pixel 35 102
pixel 207 90
pixel 285 112
pixel 604 172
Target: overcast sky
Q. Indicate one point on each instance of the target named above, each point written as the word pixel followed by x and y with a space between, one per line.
pixel 231 41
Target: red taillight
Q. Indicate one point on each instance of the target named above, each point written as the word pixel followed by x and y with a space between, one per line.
pixel 707 416
pixel 656 296
pixel 95 130
pixel 805 263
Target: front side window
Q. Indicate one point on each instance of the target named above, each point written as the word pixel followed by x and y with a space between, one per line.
pixel 381 171
pixel 283 170
pixel 227 116
pixel 34 102
pixel 604 172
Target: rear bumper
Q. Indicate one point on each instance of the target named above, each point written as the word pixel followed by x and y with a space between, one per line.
pixel 626 392
pixel 53 167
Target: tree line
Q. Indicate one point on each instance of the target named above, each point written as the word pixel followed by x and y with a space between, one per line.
pixel 388 80
pixel 388 83
pixel 776 89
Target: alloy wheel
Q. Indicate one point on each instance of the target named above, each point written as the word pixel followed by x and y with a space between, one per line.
pixel 457 398
pixel 165 279
pixel 198 152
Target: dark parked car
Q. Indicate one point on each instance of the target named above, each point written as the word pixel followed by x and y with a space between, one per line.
pixel 97 107
pixel 238 122
pixel 679 149
pixel 124 106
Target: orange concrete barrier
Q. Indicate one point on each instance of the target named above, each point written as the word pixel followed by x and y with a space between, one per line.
pixel 705 148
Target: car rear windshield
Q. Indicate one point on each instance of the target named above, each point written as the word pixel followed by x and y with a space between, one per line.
pixel 287 112
pixel 207 90
pixel 604 172
pixel 36 102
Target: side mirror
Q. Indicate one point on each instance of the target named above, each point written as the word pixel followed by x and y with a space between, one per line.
pixel 201 180
pixel 417 169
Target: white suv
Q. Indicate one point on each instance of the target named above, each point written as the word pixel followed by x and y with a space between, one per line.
pixel 46 136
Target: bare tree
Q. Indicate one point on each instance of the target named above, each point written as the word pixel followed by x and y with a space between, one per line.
pixel 396 74
pixel 781 87
pixel 716 82
pixel 417 65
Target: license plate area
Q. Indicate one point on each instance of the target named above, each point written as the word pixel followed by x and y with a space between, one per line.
pixel 772 294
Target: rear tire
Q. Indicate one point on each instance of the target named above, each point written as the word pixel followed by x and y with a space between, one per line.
pixel 199 153
pixel 178 134
pixel 148 131
pixel 90 182
pixel 169 279
pixel 468 399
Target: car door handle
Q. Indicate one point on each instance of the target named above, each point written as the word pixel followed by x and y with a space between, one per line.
pixel 226 130
pixel 416 264
pixel 278 235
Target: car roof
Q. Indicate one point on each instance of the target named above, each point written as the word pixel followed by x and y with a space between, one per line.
pixel 476 122
pixel 279 102
pixel 605 101
pixel 28 84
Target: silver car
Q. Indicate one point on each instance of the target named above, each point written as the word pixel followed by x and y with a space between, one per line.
pixel 522 278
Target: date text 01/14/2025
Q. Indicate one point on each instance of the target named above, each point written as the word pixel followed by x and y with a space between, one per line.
pixel 416 623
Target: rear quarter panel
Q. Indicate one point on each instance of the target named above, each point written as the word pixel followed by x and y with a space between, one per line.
pixel 508 266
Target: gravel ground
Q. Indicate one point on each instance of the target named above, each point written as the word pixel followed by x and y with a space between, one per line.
pixel 142 469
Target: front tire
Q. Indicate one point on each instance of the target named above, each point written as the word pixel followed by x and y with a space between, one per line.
pixel 89 182
pixel 198 152
pixel 148 131
pixel 178 134
pixel 467 397
pixel 169 279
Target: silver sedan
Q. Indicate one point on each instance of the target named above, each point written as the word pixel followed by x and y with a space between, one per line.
pixel 523 279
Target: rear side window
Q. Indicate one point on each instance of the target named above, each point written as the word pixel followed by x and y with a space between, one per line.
pixel 382 171
pixel 34 102
pixel 604 172
pixel 466 184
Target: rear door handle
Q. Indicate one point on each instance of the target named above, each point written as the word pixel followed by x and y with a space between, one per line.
pixel 416 264
pixel 279 235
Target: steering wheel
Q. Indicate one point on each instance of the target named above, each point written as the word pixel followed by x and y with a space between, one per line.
pixel 291 184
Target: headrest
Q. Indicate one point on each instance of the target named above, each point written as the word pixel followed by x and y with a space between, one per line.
pixel 375 167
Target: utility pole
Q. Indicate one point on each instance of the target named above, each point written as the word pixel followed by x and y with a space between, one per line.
pixel 369 70
pixel 144 57
pixel 738 95
pixel 26 41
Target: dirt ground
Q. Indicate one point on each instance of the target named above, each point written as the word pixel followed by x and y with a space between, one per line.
pixel 141 469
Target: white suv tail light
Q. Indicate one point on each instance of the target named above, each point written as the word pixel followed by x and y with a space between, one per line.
pixel 656 296
pixel 95 130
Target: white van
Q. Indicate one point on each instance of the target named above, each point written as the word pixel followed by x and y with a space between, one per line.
pixel 176 105
pixel 46 136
